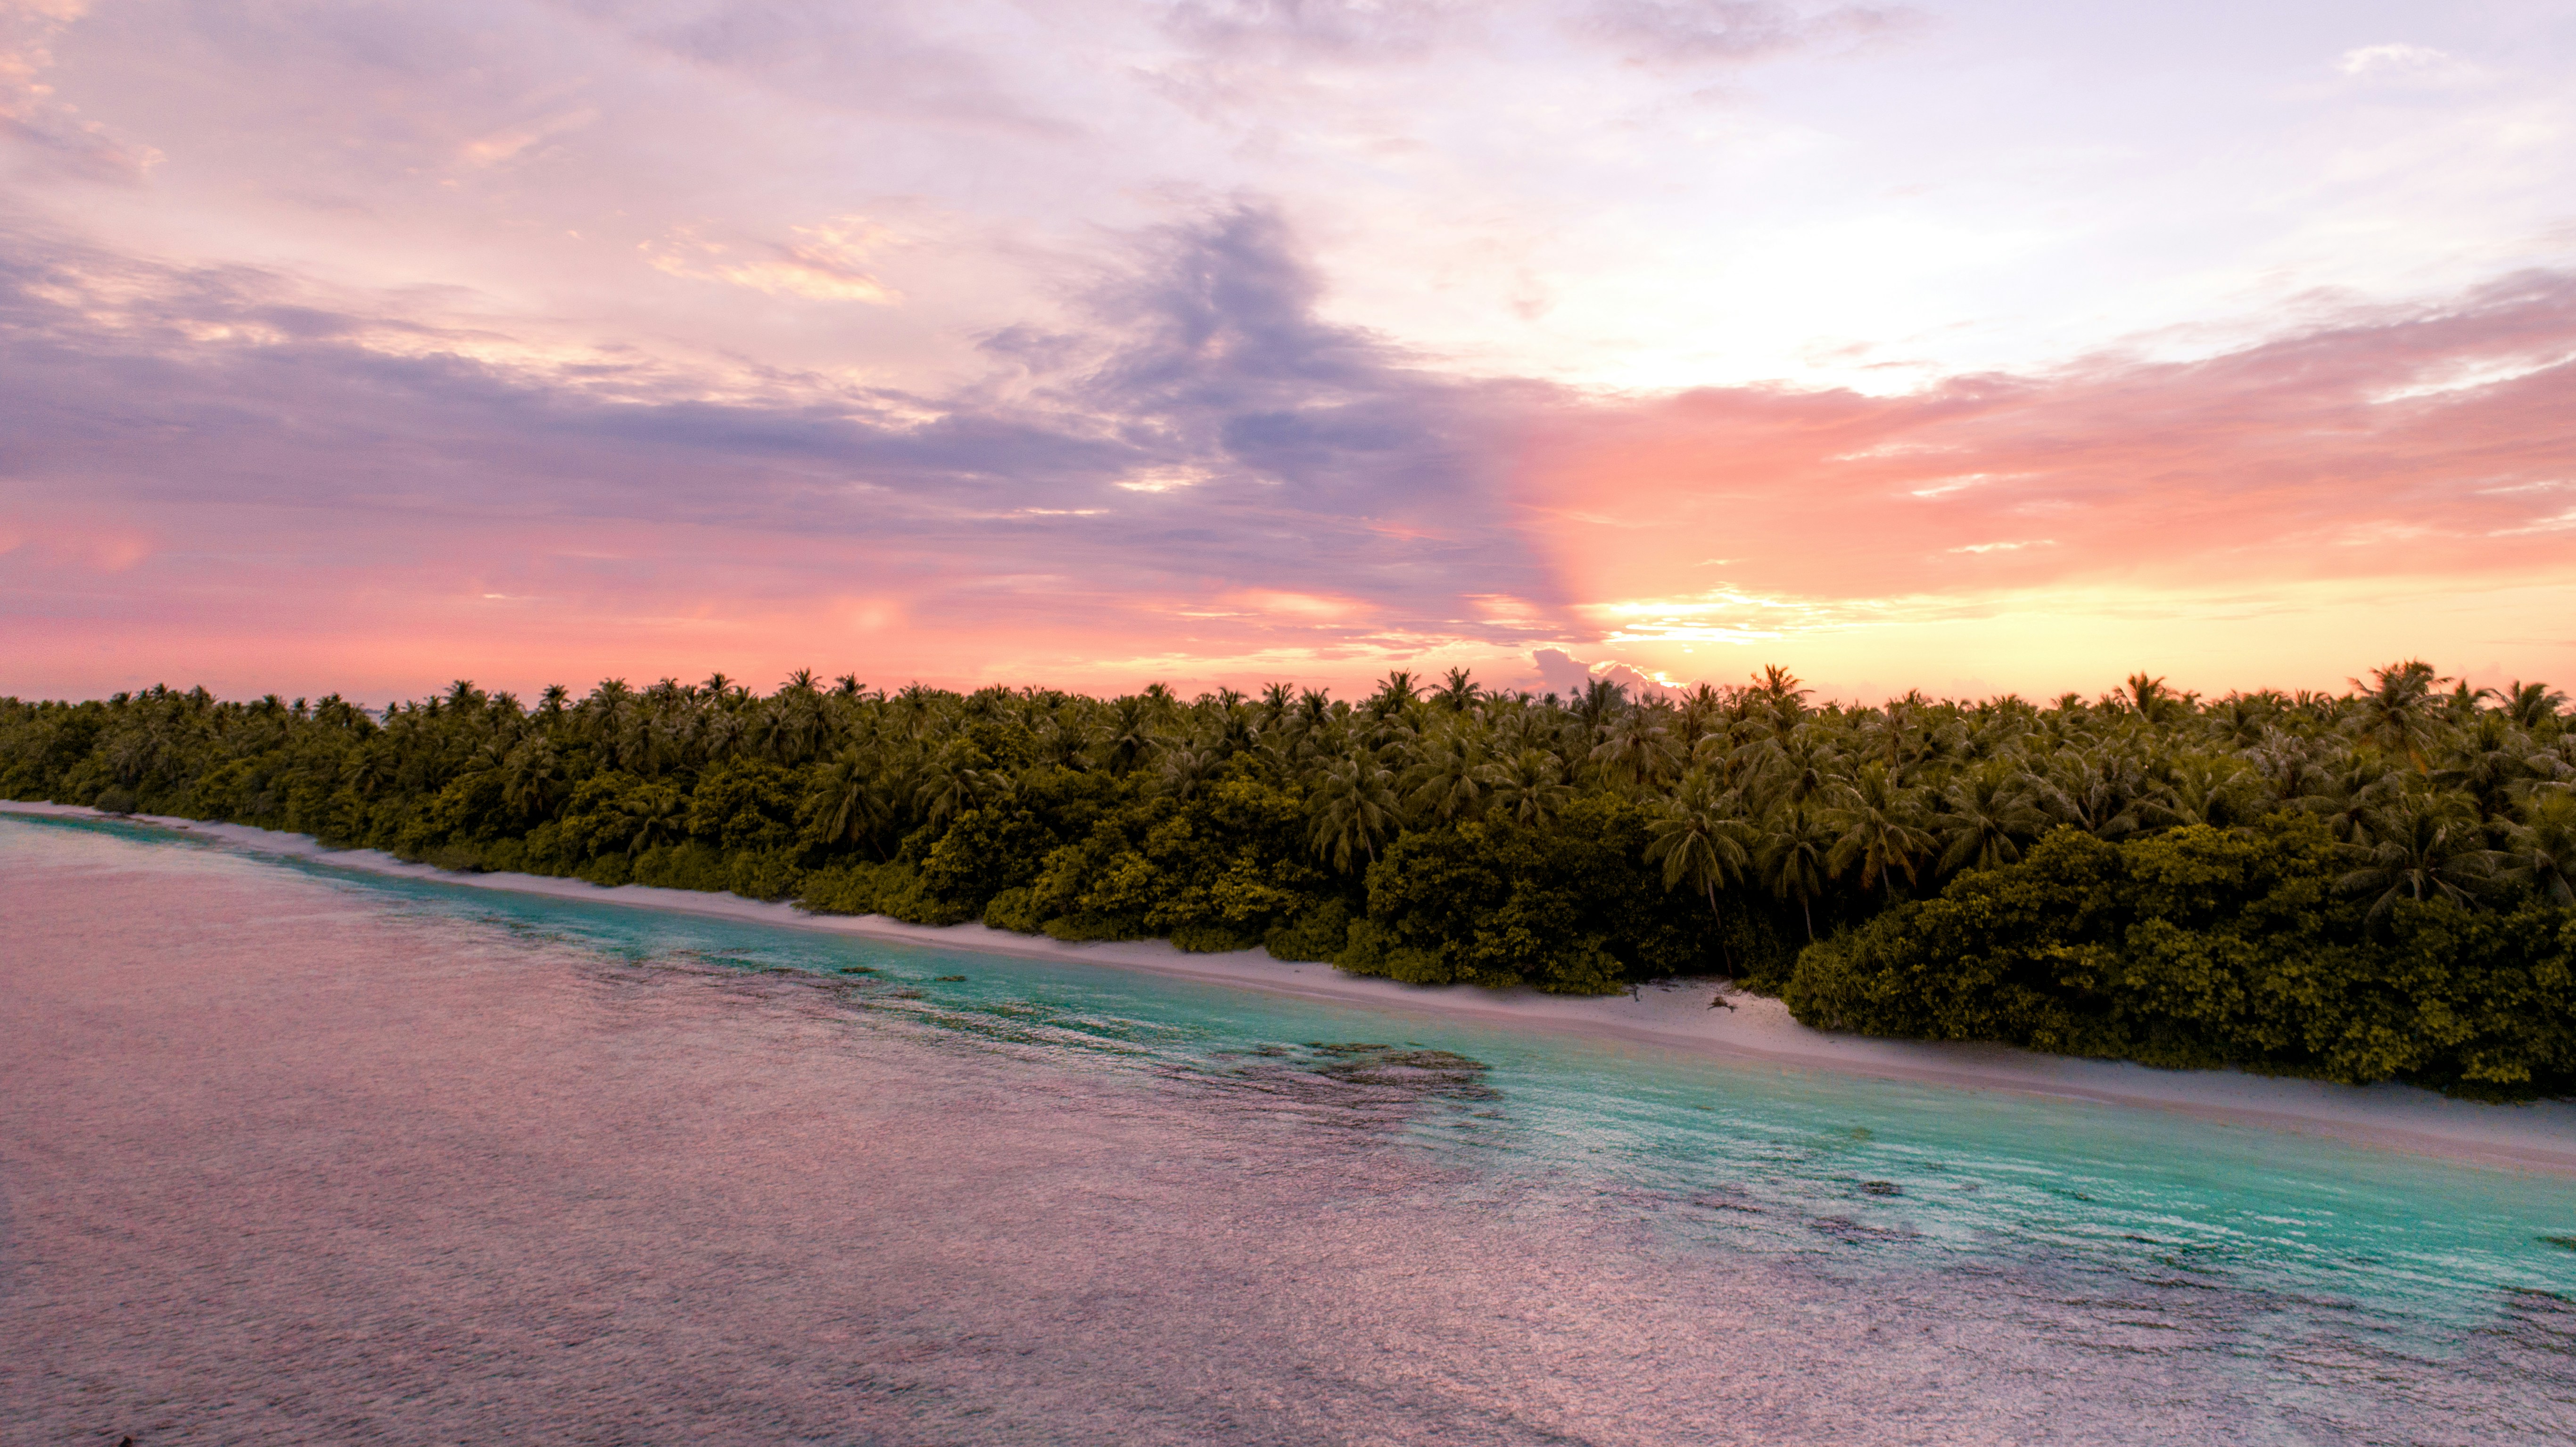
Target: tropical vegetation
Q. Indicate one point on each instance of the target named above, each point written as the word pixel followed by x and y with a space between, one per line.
pixel 2377 884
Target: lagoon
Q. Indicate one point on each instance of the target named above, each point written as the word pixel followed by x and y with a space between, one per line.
pixel 292 1153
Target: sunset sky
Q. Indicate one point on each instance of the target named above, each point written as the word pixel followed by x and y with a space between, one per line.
pixel 1964 346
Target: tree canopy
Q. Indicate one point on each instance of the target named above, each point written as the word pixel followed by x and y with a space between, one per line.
pixel 2376 884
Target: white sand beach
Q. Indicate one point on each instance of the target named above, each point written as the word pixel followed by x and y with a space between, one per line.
pixel 1676 1015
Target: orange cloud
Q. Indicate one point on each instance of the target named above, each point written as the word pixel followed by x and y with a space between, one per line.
pixel 2411 448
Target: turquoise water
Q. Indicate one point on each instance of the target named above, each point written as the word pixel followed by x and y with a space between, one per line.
pixel 1613 1243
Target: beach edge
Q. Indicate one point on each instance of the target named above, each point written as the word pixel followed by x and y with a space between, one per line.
pixel 1677 1015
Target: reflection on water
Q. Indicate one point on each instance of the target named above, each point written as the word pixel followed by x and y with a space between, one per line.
pixel 294 1156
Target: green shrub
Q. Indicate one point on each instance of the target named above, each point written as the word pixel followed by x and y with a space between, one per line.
pixel 770 874
pixel 2204 946
pixel 1015 910
pixel 1319 934
pixel 1086 925
pixel 841 889
pixel 694 865
pixel 1211 939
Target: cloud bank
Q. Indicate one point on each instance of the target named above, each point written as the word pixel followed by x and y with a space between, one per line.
pixel 1228 340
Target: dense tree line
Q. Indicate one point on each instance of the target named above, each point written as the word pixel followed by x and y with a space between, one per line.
pixel 2368 885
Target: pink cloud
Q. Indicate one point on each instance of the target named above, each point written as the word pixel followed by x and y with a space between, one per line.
pixel 2429 443
pixel 226 486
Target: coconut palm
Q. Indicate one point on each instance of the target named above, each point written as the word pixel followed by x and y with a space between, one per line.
pixel 1636 750
pixel 2420 846
pixel 2154 702
pixel 656 815
pixel 1458 692
pixel 2396 710
pixel 2530 705
pixel 2356 787
pixel 2540 852
pixel 1600 701
pixel 1988 813
pixel 948 783
pixel 1795 853
pixel 1184 769
pixel 2097 791
pixel 1528 787
pixel 1781 695
pixel 1701 836
pixel 848 801
pixel 532 777
pixel 1798 766
pixel 1880 828
pixel 1889 731
pixel 1124 736
pixel 1448 782
pixel 1395 693
pixel 2214 791
pixel 1353 809
pixel 2492 761
pixel 2291 768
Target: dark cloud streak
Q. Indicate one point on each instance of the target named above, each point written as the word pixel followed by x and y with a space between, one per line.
pixel 1313 459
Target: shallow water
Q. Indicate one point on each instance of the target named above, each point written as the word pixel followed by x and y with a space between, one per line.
pixel 290 1155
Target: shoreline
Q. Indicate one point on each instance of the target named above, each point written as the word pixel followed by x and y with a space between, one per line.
pixel 2537 1137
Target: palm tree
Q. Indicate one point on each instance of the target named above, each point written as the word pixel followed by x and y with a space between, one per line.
pixel 1700 710
pixel 1701 837
pixel 1184 769
pixel 2529 704
pixel 1125 736
pixel 720 733
pixel 2492 759
pixel 2352 793
pixel 1781 696
pixel 531 777
pixel 847 800
pixel 1458 692
pixel 1353 808
pixel 2154 702
pixel 2097 792
pixel 2203 791
pixel 948 783
pixel 1600 701
pixel 1529 786
pixel 1449 782
pixel 1881 827
pixel 1636 751
pixel 1792 766
pixel 2462 704
pixel 2421 846
pixel 2541 854
pixel 1398 691
pixel 1796 857
pixel 658 815
pixel 2395 710
pixel 1276 700
pixel 1890 728
pixel 1991 810
pixel 2288 765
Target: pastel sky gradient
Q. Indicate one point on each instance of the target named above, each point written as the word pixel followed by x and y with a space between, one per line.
pixel 1965 345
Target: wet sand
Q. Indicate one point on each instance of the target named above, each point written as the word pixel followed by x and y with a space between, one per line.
pixel 2535 1137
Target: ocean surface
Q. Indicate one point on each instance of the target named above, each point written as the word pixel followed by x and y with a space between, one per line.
pixel 290 1155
